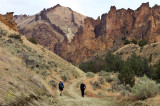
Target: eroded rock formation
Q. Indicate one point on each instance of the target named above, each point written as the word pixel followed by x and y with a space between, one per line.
pixel 51 26
pixel 109 32
pixel 64 32
pixel 8 20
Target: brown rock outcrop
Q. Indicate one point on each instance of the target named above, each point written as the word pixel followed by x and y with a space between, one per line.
pixel 51 26
pixel 8 20
pixel 97 36
pixel 64 32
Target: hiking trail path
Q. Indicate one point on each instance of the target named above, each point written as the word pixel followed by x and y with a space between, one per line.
pixel 72 97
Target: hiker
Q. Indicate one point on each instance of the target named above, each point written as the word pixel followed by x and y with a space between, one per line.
pixel 82 87
pixel 61 86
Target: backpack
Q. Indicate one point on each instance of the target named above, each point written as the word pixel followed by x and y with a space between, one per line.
pixel 61 85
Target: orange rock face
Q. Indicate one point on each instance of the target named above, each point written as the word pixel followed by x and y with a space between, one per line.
pixel 109 32
pixel 9 21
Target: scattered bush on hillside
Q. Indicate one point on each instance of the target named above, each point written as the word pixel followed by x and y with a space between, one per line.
pixel 102 73
pixel 101 80
pixel 125 93
pixel 53 83
pixel 126 42
pixel 64 76
pixel 74 73
pixel 143 43
pixel 119 87
pixel 145 88
pixel 45 73
pixel 3 32
pixel 15 36
pixel 90 74
pixel 95 85
pixel 108 89
pixel 32 40
pixel 109 78
pixel 134 41
pixel 100 94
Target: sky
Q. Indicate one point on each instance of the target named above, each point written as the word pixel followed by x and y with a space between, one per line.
pixel 91 8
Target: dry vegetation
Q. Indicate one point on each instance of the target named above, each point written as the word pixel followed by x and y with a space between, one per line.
pixel 150 50
pixel 28 72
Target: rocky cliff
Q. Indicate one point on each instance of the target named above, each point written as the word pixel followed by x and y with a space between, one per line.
pixel 109 32
pixel 8 20
pixel 50 26
pixel 77 38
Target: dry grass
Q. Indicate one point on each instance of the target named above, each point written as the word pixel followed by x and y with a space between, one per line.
pixel 4 27
pixel 151 49
pixel 97 92
pixel 20 84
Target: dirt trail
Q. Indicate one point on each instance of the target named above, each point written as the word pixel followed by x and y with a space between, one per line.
pixel 72 97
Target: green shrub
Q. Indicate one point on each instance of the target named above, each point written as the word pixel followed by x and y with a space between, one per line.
pixel 150 57
pixel 102 73
pixel 119 87
pixel 53 83
pixel 109 78
pixel 108 89
pixel 134 41
pixel 125 93
pixel 95 85
pixel 3 32
pixel 143 43
pixel 139 65
pixel 64 76
pixel 126 76
pixel 126 42
pixel 90 74
pixel 93 66
pixel 74 73
pixel 45 73
pixel 15 36
pixel 145 88
pixel 101 94
pixel 101 80
pixel 32 40
pixel 113 63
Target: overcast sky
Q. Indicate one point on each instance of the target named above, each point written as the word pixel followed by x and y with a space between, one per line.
pixel 92 8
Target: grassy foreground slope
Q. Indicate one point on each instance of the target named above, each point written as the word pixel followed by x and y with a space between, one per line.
pixel 28 72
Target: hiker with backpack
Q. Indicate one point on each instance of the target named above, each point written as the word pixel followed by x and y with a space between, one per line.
pixel 61 87
pixel 82 88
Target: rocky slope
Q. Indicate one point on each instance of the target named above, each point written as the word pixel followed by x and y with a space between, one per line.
pixel 9 21
pixel 29 72
pixel 110 32
pixel 50 26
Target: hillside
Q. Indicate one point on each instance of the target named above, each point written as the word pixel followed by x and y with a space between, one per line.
pixel 151 50
pixel 50 26
pixel 29 71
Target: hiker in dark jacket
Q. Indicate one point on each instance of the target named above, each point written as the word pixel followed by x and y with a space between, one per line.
pixel 61 87
pixel 82 87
